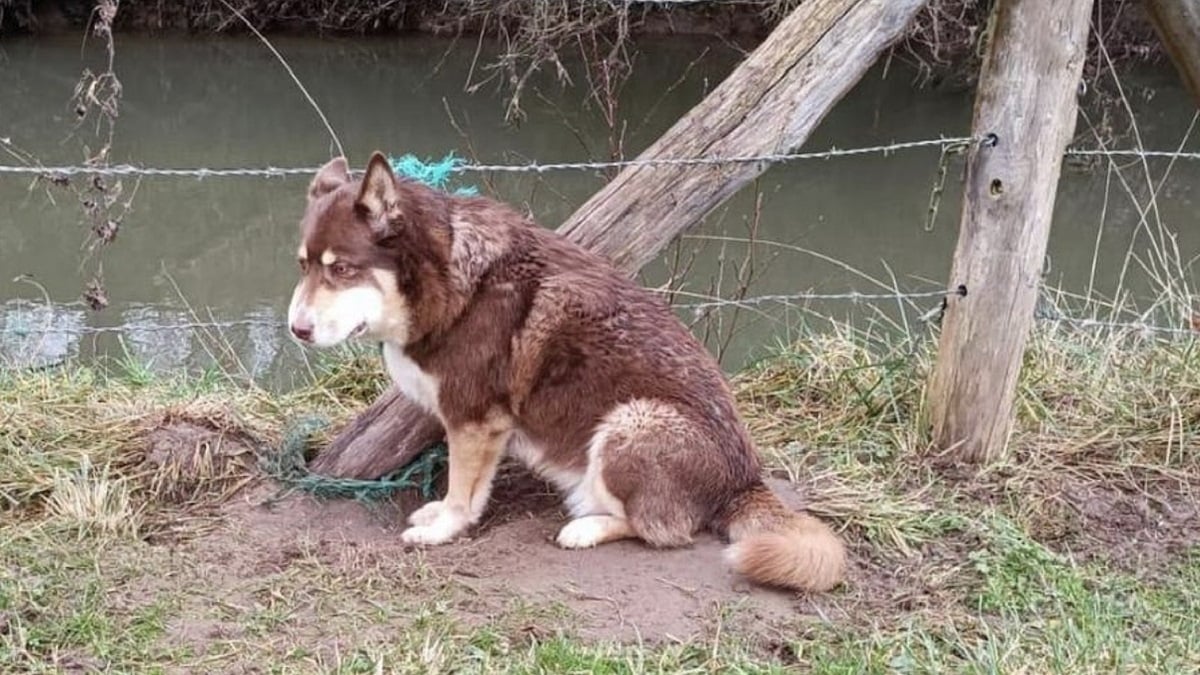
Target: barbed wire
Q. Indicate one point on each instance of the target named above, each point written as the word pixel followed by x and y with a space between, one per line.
pixel 24 331
pixel 1158 154
pixel 46 329
pixel 852 296
pixel 131 170
pixel 1041 315
pixel 773 158
pixel 1093 324
pixel 946 143
pixel 934 313
pixel 537 167
pixel 531 167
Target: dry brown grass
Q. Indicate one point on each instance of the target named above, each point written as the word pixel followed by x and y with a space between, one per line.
pixel 92 448
pixel 1100 416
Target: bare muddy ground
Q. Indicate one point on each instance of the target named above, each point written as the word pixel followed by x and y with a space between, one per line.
pixel 621 591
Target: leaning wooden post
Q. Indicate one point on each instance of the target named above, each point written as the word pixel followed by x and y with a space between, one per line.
pixel 1178 26
pixel 1026 107
pixel 769 104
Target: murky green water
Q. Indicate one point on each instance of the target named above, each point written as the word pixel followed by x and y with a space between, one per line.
pixel 221 248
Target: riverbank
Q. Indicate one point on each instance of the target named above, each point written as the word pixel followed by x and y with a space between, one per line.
pixel 945 35
pixel 141 530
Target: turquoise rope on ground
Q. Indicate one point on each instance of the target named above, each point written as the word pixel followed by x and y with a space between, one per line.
pixel 287 464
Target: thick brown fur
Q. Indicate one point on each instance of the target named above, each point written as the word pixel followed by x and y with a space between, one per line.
pixel 524 343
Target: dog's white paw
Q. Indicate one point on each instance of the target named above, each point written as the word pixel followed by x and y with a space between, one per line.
pixel 426 535
pixel 583 532
pixel 426 514
pixel 448 524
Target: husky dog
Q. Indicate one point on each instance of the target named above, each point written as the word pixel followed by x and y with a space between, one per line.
pixel 521 342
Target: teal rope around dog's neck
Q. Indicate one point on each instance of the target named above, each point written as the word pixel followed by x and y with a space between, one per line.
pixel 434 174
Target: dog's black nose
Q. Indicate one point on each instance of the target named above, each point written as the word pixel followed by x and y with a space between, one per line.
pixel 302 331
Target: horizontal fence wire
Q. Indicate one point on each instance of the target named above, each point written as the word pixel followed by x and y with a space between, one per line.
pixel 1048 316
pixel 1099 324
pixel 48 329
pixel 26 330
pixel 851 296
pixel 465 167
pixel 946 143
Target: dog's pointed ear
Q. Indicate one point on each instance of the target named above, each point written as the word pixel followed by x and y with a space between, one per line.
pixel 329 178
pixel 378 198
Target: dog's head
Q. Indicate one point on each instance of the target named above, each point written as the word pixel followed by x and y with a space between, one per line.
pixel 357 242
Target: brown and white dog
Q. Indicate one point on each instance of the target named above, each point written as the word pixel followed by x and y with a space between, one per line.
pixel 522 342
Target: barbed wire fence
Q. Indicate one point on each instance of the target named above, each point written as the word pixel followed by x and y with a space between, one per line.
pixel 18 324
pixel 953 144
pixel 935 301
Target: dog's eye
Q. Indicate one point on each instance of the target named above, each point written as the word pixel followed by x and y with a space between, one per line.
pixel 342 270
pixel 303 264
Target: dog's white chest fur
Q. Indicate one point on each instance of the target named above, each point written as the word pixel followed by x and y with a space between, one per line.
pixel 416 385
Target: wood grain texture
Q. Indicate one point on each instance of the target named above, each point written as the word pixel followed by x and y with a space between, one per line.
pixel 385 436
pixel 1178 26
pixel 769 104
pixel 1027 98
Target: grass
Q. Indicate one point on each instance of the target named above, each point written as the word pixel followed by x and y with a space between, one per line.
pixel 1075 554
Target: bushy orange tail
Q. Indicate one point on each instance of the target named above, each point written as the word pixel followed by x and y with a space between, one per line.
pixel 775 546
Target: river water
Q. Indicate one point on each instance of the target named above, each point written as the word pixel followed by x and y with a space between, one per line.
pixel 221 249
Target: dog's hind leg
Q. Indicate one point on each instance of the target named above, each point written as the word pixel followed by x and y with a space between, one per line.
pixel 632 486
pixel 591 531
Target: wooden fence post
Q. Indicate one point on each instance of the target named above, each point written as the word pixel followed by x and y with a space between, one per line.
pixel 1026 107
pixel 1178 26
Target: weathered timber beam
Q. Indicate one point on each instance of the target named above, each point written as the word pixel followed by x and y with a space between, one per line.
pixel 1178 26
pixel 1026 97
pixel 770 103
pixel 384 437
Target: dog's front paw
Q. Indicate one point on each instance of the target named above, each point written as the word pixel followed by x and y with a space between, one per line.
pixel 448 524
pixel 427 514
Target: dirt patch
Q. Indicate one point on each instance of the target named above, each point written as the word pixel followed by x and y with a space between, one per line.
pixel 1140 532
pixel 887 589
pixel 194 448
pixel 625 591
pixel 621 591
pixel 187 464
pixel 1136 521
pixel 79 663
